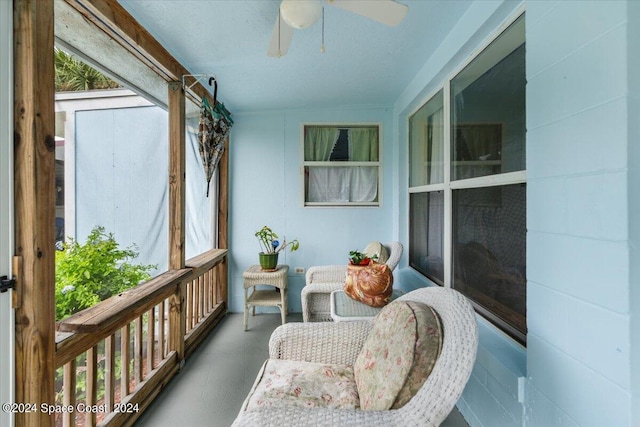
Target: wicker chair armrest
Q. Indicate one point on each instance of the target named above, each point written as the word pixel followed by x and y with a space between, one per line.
pixel 395 253
pixel 301 417
pixel 322 342
pixel 326 273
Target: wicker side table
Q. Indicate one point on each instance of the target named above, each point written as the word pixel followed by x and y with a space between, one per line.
pixel 255 276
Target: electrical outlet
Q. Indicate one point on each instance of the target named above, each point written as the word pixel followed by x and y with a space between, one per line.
pixel 299 270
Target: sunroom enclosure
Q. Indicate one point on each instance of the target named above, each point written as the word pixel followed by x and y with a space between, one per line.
pixel 176 308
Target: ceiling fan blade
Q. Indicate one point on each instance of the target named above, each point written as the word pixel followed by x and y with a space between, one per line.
pixel 388 12
pixel 280 38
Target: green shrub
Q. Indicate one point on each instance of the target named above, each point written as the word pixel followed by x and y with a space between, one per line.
pixel 91 272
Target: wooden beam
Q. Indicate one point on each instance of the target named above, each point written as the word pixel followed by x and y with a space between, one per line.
pixel 34 206
pixel 177 176
pixel 110 17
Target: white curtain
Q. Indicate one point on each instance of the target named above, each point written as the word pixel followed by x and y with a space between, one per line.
pixel 342 184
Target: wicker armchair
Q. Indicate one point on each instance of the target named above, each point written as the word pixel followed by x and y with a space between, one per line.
pixel 341 342
pixel 322 280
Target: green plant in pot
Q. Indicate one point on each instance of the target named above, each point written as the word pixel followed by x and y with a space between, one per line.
pixel 271 247
pixel 360 258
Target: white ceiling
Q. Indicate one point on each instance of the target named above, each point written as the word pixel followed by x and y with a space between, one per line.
pixel 365 63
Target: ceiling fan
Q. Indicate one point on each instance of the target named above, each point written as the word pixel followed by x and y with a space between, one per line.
pixel 299 14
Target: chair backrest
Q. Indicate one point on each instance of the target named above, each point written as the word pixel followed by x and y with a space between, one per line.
pixel 442 389
pixel 395 253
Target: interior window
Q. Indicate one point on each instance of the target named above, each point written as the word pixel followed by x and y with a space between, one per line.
pixel 341 165
pixel 468 227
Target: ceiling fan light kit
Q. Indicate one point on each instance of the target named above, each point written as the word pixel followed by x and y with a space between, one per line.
pixel 300 14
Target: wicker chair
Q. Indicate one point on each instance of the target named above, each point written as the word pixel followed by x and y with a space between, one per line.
pixel 322 280
pixel 340 343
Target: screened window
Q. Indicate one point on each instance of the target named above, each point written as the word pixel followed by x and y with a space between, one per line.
pixel 341 165
pixel 467 183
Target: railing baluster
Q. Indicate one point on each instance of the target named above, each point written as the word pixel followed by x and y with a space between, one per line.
pixel 187 306
pixel 109 370
pixel 91 384
pixel 193 304
pixel 124 357
pixel 196 301
pixel 212 289
pixel 69 396
pixel 162 330
pixel 151 338
pixel 207 293
pixel 137 351
pixel 203 298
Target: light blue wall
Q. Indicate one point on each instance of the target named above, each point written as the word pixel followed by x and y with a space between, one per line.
pixel 266 189
pixel 491 396
pixel 581 366
pixel 579 312
pixel 633 47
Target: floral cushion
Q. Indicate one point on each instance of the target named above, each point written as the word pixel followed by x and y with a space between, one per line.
pixel 304 384
pixel 428 348
pixel 398 356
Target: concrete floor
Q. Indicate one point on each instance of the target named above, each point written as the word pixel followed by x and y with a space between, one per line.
pixel 219 374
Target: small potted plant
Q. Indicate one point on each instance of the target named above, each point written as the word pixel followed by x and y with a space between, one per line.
pixel 358 258
pixel 270 247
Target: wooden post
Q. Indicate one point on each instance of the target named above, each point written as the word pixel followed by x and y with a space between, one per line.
pixel 223 222
pixel 177 321
pixel 34 206
pixel 177 207
pixel 177 175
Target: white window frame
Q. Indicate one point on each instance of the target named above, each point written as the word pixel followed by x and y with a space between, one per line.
pixel 377 164
pixel 7 315
pixel 448 186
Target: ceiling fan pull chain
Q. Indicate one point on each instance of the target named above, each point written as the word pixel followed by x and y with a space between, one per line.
pixel 322 48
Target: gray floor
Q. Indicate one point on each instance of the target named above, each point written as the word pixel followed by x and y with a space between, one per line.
pixel 219 374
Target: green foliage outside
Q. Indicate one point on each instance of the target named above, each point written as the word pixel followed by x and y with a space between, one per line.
pixel 91 272
pixel 72 74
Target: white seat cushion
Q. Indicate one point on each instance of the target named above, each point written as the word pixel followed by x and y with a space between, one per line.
pixel 303 384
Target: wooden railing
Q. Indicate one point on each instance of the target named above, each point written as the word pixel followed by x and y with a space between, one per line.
pixel 114 358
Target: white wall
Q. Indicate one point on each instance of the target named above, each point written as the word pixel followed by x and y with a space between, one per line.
pixel 579 312
pixel 266 189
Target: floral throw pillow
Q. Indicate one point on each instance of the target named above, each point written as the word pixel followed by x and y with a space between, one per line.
pixel 398 356
pixel 427 351
pixel 305 385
